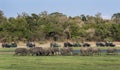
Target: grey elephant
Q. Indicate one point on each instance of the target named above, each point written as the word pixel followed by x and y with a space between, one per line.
pixel 21 51
pixel 51 51
pixel 66 51
pixel 85 51
pixel 36 51
pixel 54 50
pixel 112 51
pixel 95 51
pixel 47 52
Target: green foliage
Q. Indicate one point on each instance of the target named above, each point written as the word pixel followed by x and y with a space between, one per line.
pixel 38 27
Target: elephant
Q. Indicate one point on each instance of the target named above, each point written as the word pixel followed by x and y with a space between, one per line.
pixel 111 51
pixel 55 50
pixel 85 51
pixel 51 51
pixel 66 51
pixel 21 51
pixel 36 51
pixel 95 50
pixel 39 51
pixel 48 51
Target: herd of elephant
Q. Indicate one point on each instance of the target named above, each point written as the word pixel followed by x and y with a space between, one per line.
pixel 39 51
pixel 84 51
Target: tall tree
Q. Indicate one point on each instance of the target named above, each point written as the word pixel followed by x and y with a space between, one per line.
pixel 116 18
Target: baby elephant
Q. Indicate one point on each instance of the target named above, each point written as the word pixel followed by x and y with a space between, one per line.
pixel 95 51
pixel 21 51
pixel 85 51
pixel 112 51
pixel 36 51
pixel 66 51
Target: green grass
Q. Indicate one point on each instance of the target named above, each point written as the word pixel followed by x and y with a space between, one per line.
pixel 7 49
pixel 104 62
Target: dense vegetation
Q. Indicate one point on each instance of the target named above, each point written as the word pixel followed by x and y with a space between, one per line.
pixel 58 26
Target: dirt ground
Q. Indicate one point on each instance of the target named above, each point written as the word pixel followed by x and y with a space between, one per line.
pixel 47 44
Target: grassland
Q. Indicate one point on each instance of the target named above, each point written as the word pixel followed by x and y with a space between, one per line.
pixel 10 62
pixel 103 62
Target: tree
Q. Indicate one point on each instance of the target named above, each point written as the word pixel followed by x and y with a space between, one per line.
pixel 83 17
pixel 116 18
pixel 98 18
pixel 1 16
pixel 58 27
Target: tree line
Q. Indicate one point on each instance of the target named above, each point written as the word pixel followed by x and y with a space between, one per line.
pixel 59 27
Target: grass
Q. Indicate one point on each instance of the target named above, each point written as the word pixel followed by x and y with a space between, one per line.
pixel 7 49
pixel 104 62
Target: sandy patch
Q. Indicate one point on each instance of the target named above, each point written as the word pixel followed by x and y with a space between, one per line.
pixel 45 45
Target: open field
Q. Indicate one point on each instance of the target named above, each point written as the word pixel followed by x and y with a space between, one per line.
pixel 103 62
pixel 10 62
